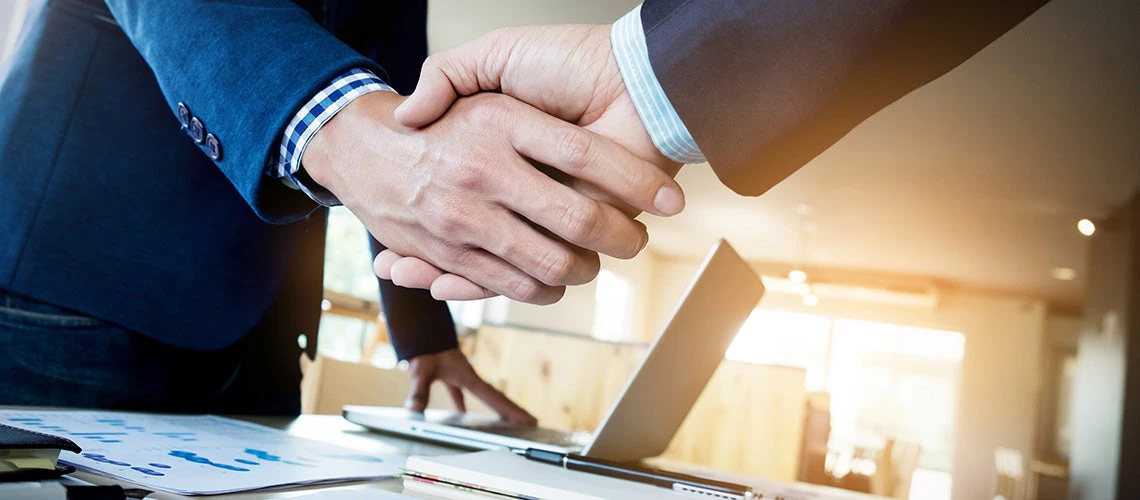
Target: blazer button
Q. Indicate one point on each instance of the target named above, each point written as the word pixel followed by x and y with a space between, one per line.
pixel 183 115
pixel 213 147
pixel 197 130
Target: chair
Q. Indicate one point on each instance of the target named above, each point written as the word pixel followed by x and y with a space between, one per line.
pixel 1010 468
pixel 894 469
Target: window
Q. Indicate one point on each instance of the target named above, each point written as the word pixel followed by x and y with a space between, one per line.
pixel 884 381
pixel 788 339
pixel 889 381
pixel 612 305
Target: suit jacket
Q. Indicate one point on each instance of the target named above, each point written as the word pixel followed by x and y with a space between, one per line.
pixel 780 81
pixel 109 207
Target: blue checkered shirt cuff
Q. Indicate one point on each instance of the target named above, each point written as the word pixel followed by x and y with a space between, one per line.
pixel 312 116
pixel 669 134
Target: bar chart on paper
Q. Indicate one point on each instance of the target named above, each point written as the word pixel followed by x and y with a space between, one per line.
pixel 198 455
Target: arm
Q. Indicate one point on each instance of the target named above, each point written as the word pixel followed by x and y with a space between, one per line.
pixel 757 88
pixel 801 75
pixel 417 323
pixel 230 66
pixel 423 333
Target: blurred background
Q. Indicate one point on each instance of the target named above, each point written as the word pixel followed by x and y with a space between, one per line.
pixel 951 287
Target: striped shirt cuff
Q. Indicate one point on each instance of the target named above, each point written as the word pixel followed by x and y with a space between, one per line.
pixel 312 116
pixel 669 134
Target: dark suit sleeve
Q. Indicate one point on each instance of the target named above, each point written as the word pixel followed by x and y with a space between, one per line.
pixel 417 323
pixel 765 86
pixel 244 68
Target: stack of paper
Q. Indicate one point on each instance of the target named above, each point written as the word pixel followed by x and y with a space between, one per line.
pixel 198 455
pixel 500 473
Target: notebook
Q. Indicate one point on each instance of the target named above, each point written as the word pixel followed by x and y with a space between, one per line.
pixel 27 455
pixel 511 476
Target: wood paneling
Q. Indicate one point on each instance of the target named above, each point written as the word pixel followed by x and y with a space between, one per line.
pixel 748 420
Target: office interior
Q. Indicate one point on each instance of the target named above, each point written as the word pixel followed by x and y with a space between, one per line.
pixel 953 289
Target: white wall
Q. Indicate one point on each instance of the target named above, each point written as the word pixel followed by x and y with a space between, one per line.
pixel 1000 377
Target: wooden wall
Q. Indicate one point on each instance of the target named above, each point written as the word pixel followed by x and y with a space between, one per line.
pixel 749 419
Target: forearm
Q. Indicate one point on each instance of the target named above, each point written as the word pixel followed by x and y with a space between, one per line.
pixel 417 323
pixel 764 87
pixel 243 69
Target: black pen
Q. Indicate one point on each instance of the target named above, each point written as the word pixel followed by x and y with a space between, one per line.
pixel 656 477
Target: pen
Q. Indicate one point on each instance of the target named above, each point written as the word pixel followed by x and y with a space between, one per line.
pixel 656 477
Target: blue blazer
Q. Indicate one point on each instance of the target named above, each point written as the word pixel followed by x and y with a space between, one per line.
pixel 109 207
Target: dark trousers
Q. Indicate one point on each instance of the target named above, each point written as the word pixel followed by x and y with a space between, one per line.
pixel 57 357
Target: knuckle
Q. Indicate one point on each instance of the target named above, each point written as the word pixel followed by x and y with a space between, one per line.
pixel 557 267
pixel 471 175
pixel 525 290
pixel 574 149
pixel 489 109
pixel 452 223
pixel 580 221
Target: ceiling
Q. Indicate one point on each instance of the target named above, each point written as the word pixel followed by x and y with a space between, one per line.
pixel 977 179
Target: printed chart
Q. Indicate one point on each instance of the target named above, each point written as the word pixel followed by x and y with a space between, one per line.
pixel 198 455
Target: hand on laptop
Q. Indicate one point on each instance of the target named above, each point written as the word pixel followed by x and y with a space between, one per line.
pixel 452 368
pixel 567 71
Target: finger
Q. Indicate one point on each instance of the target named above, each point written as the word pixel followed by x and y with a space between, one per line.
pixel 455 287
pixel 463 70
pixel 498 401
pixel 457 398
pixel 576 218
pixel 541 256
pixel 414 273
pixel 419 394
pixel 588 156
pixel 382 265
pixel 493 273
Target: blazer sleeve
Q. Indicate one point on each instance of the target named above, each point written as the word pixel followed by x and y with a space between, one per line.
pixel 243 68
pixel 417 323
pixel 764 87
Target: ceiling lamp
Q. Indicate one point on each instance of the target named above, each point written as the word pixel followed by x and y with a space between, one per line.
pixel 1086 227
pixel 797 276
pixel 811 299
pixel 1063 273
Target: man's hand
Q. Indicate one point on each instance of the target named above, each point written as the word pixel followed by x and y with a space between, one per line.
pixel 566 71
pixel 462 194
pixel 452 368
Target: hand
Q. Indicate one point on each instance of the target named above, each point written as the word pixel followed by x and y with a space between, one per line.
pixel 459 193
pixel 452 368
pixel 567 71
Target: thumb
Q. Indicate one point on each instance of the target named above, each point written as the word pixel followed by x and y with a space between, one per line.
pixel 464 70
pixel 434 94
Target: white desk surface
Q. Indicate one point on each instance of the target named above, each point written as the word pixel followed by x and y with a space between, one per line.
pixel 334 429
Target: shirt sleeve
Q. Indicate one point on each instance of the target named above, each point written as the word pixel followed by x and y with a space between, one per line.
pixel 665 127
pixel 309 119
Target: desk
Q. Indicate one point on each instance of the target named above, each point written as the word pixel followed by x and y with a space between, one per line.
pixel 335 430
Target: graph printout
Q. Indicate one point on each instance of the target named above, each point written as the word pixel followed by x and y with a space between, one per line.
pixel 199 455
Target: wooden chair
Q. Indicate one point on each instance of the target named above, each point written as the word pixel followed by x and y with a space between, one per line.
pixel 1010 468
pixel 894 469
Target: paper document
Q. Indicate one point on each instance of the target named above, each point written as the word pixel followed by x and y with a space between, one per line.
pixel 199 455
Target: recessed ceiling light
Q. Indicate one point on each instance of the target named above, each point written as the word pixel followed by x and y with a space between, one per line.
pixel 1086 227
pixel 1063 273
pixel 804 209
pixel 797 276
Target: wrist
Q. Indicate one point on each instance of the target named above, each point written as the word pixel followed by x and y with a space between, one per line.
pixel 363 119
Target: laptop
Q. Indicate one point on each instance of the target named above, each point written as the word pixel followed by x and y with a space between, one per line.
pixel 656 399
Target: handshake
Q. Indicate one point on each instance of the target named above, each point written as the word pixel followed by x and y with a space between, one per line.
pixel 519 158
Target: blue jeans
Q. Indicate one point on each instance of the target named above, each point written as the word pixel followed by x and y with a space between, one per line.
pixel 57 357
